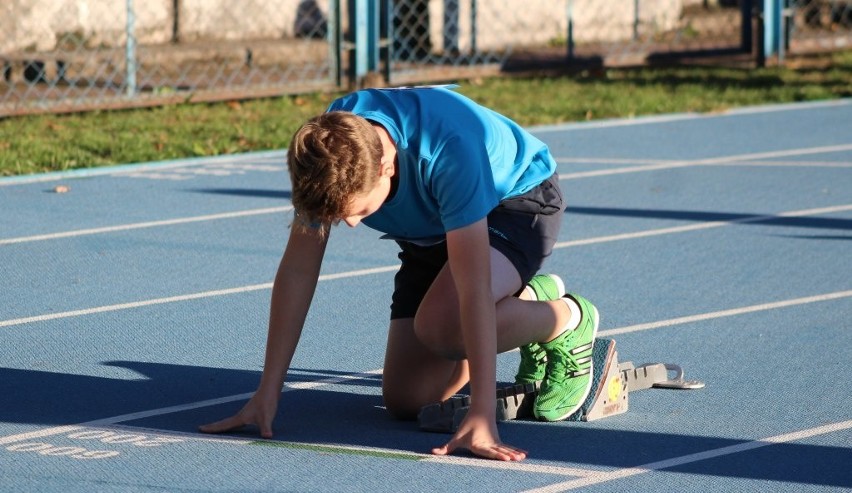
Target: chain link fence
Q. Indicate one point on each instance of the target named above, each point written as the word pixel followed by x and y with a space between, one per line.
pixel 76 55
pixel 499 35
pixel 818 25
pixel 71 55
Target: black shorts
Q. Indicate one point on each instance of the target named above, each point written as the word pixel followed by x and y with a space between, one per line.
pixel 524 228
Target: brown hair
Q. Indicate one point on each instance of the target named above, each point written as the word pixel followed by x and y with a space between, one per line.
pixel 332 157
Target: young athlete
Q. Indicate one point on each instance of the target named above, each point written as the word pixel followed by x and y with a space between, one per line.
pixel 474 204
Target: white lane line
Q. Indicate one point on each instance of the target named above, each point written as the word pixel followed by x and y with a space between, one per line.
pixel 451 460
pixel 587 476
pixel 134 304
pixel 663 162
pixel 655 165
pixel 277 156
pixel 642 234
pixel 356 376
pixel 655 119
pixel 722 160
pixel 774 108
pixel 231 398
pixel 614 161
pixel 701 226
pixel 508 466
pixel 615 122
pixel 183 297
pixel 147 224
pixel 57 430
pixel 727 313
pixel 603 477
pixel 391 268
pixel 792 164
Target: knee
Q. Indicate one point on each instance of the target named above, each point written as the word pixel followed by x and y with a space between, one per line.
pixel 400 409
pixel 439 335
pixel 426 333
pixel 401 403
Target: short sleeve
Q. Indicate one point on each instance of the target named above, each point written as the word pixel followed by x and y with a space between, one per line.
pixel 463 183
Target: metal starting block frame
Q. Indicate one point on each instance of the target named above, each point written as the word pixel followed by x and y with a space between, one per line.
pixel 611 385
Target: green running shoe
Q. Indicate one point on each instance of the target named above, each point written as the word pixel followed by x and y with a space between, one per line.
pixel 568 377
pixel 542 287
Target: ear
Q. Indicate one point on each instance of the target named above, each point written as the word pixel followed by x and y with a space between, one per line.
pixel 387 168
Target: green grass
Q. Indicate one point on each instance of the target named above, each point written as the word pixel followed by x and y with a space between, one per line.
pixel 334 449
pixel 34 144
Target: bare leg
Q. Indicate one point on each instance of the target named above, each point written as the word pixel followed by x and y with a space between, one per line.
pixel 414 376
pixel 424 359
pixel 519 321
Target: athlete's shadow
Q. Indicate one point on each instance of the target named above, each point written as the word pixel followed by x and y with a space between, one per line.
pixel 48 398
pixel 349 412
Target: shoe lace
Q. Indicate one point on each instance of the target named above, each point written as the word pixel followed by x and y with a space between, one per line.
pixel 560 364
pixel 532 356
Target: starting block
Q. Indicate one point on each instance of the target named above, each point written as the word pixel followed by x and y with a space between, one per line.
pixel 611 385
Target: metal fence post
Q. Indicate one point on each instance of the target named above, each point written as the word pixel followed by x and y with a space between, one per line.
pixel 364 19
pixel 130 50
pixel 386 34
pixel 773 43
pixel 570 34
pixel 636 20
pixel 334 37
pixel 746 30
pixel 373 30
pixel 473 27
pixel 176 21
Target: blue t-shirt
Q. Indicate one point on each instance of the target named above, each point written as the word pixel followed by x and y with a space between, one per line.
pixel 457 159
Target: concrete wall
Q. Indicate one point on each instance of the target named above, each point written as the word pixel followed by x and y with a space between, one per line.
pixel 41 25
pixel 536 22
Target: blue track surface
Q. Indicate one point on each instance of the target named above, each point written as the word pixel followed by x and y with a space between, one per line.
pixel 134 308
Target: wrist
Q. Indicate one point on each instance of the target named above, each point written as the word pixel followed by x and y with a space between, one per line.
pixel 270 387
pixel 483 406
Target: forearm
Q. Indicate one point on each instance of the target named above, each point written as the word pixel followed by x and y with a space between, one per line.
pixel 470 263
pixel 292 293
pixel 286 319
pixel 480 344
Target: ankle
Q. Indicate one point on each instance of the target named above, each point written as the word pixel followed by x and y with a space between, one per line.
pixel 576 315
pixel 566 321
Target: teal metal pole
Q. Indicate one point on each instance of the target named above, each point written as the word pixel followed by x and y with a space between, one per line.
pixel 365 21
pixel 360 13
pixel 373 33
pixel 773 34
